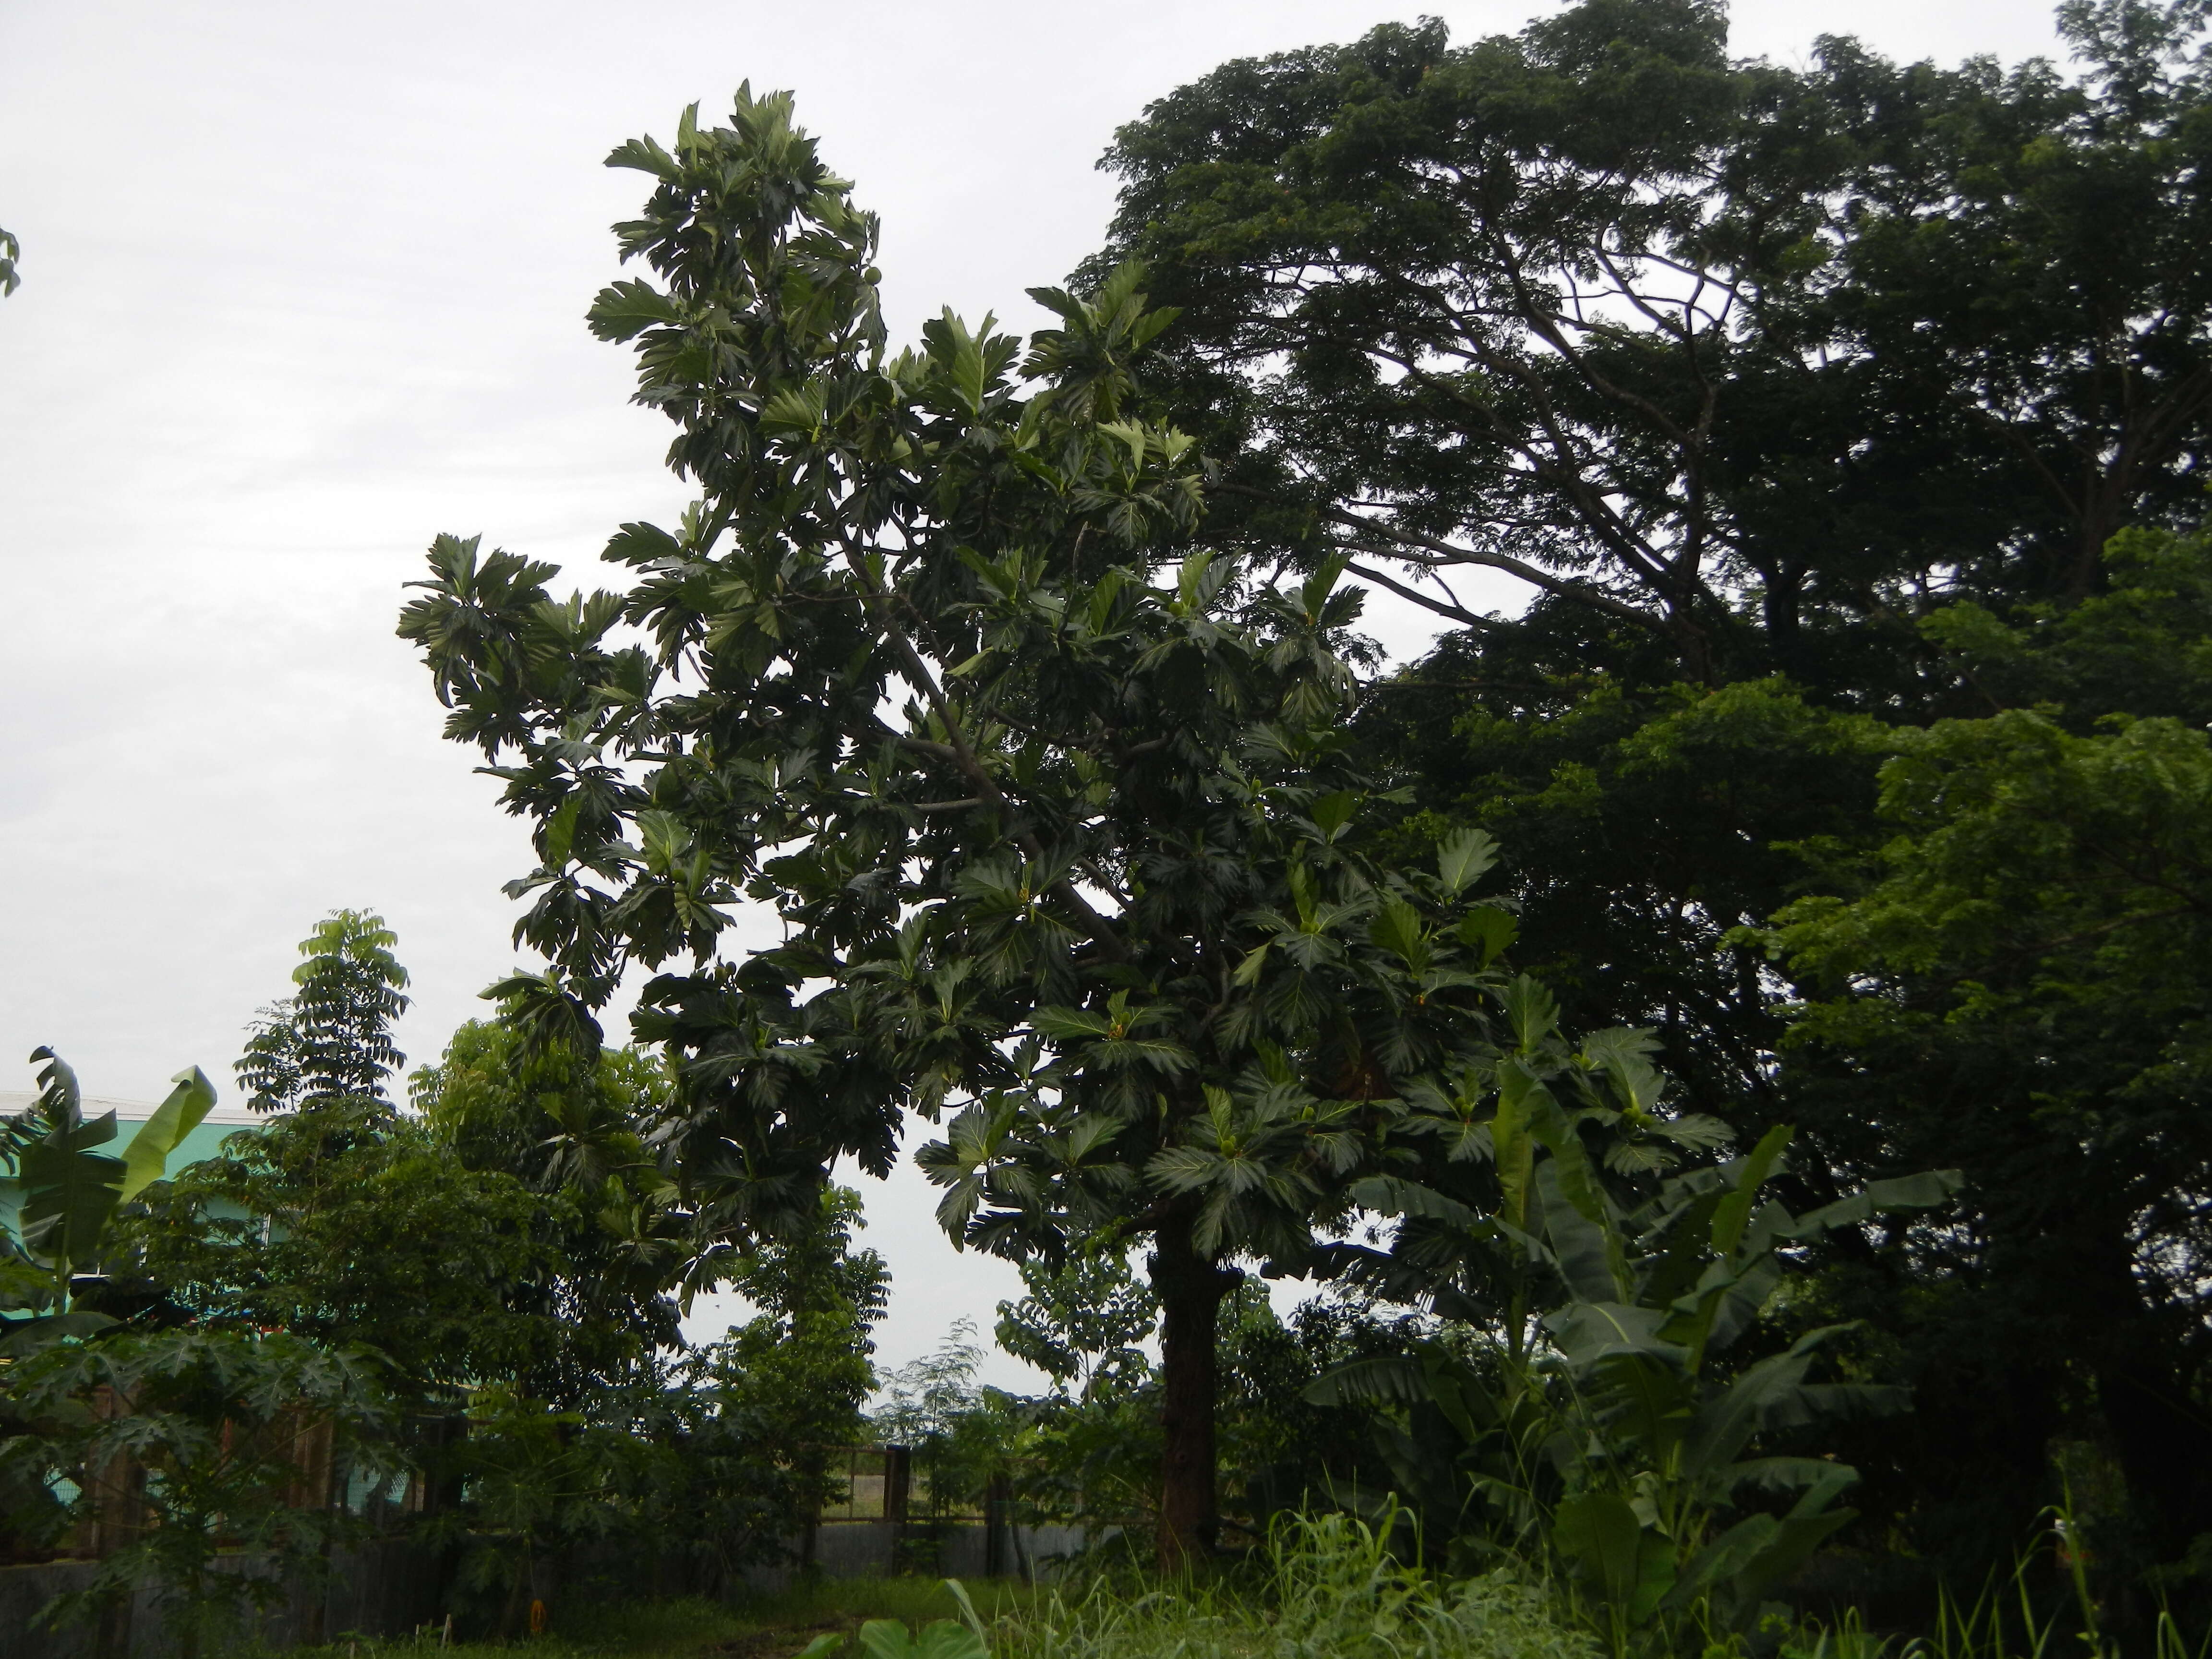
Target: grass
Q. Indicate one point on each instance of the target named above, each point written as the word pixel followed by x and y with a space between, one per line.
pixel 761 1627
pixel 1327 1589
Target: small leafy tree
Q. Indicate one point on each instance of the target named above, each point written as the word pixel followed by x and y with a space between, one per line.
pixel 217 1421
pixel 550 1116
pixel 330 1040
pixel 1058 811
pixel 705 1463
pixel 570 1127
pixel 341 1221
pixel 1081 1321
pixel 389 1242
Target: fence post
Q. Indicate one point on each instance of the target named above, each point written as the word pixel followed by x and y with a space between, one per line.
pixel 898 1493
pixel 998 1524
pixel 898 1483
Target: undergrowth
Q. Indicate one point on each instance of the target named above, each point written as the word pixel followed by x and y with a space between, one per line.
pixel 1328 1589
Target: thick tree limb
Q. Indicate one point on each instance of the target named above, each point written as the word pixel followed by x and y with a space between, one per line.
pixel 1528 572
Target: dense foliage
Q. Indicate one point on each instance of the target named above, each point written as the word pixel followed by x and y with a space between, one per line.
pixel 1842 428
pixel 1725 1032
pixel 457 1323
pixel 1062 838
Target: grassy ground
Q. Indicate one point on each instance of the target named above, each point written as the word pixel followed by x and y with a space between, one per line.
pixel 759 1627
pixel 1327 1589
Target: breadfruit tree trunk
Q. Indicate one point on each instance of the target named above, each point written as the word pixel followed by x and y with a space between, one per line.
pixel 1190 1287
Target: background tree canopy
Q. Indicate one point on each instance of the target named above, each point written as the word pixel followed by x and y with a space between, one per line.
pixel 1805 403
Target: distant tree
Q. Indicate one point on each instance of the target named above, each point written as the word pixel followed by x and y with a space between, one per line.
pixel 2019 981
pixel 330 1040
pixel 10 251
pixel 504 1234
pixel 1082 1320
pixel 1800 403
pixel 925 1399
pixel 796 1374
pixel 1732 366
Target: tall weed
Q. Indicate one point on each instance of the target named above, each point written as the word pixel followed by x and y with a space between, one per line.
pixel 1330 1588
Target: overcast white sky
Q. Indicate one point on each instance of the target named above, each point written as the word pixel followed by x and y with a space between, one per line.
pixel 304 286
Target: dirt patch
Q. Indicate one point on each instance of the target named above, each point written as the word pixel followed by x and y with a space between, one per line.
pixel 783 1640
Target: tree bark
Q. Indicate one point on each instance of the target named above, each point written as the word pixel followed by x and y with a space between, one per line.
pixel 1190 1287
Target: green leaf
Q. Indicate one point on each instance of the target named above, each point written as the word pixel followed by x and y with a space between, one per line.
pixel 1071 1024
pixel 645 155
pixel 1929 1190
pixel 1384 1380
pixel 68 1192
pixel 1587 1331
pixel 1627 1566
pixel 639 544
pixel 183 1111
pixel 1532 1011
pixel 1390 1195
pixel 622 311
pixel 1512 1144
pixel 1490 930
pixel 1726 1558
pixel 561 830
pixel 886 1638
pixel 1397 928
pixel 1580 1242
pixel 1751 1173
pixel 1335 811
pixel 1464 857
pixel 1622 1055
pixel 958 1592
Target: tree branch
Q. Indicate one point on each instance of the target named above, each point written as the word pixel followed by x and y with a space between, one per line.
pixel 1100 932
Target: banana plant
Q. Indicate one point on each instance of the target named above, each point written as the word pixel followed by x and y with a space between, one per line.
pixel 66 1190
pixel 1604 1430
pixel 1660 1442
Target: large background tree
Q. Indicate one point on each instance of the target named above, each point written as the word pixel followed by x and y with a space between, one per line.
pixel 1751 377
pixel 1729 364
pixel 2016 981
